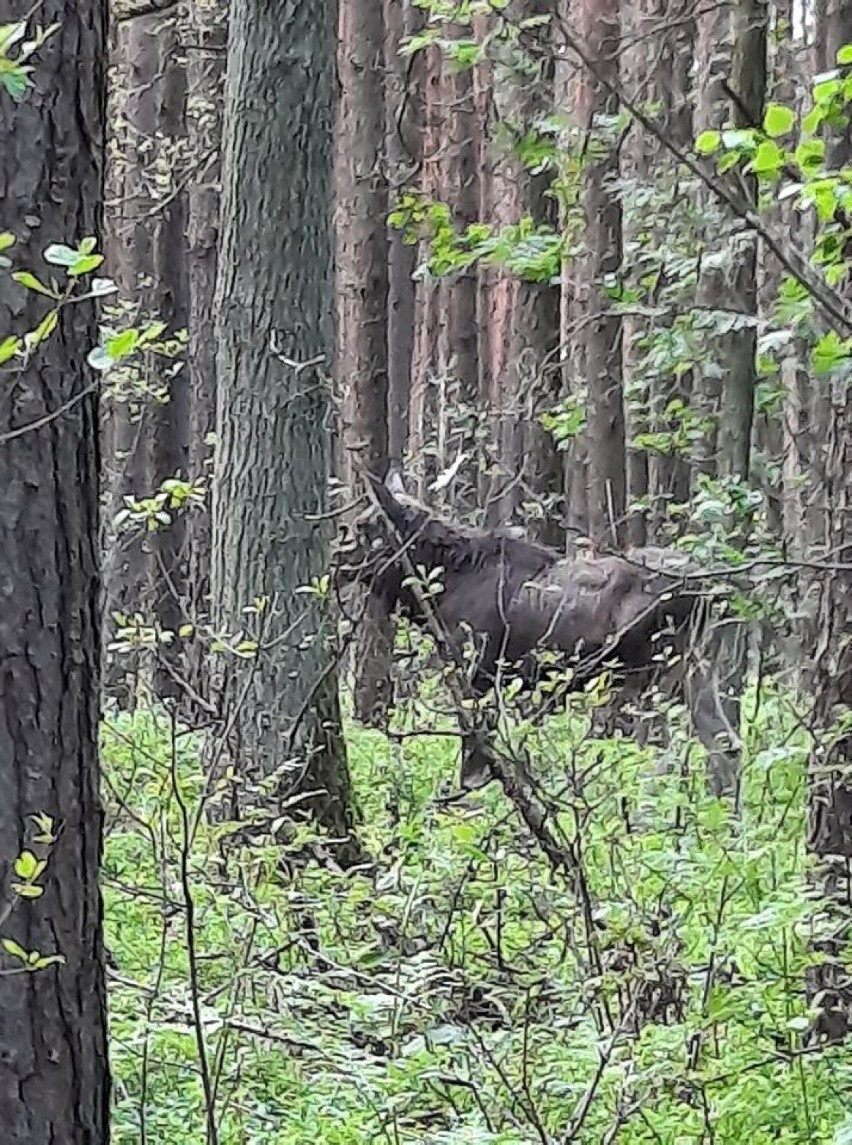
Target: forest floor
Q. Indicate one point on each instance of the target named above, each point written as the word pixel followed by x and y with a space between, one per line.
pixel 466 993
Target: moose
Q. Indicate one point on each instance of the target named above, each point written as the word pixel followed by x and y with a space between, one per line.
pixel 635 611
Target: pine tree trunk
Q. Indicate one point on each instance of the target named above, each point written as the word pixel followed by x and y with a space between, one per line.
pixel 169 437
pixel 600 33
pixel 208 22
pixel 276 355
pixel 830 788
pixel 362 267
pixel 54 1080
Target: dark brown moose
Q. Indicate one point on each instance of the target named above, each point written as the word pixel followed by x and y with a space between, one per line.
pixel 639 612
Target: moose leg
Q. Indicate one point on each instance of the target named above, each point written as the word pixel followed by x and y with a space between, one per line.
pixel 475 762
pixel 714 729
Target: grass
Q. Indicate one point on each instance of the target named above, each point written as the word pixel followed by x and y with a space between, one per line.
pixel 465 993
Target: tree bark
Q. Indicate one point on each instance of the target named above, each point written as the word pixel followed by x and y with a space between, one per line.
pixel 208 23
pixel 403 152
pixel 54 1081
pixel 127 411
pixel 362 267
pixel 276 351
pixel 170 417
pixel 830 789
pixel 600 33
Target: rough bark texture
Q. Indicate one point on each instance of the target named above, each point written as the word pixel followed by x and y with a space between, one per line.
pixel 208 25
pixel 276 351
pixel 830 797
pixel 662 56
pixel 430 298
pixel 402 153
pixel 737 351
pixel 599 29
pixel 362 293
pixel 361 229
pixel 132 121
pixel 54 1084
pixel 169 438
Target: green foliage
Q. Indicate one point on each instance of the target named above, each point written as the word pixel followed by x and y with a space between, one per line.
pixel 28 870
pixel 457 996
pixel 15 50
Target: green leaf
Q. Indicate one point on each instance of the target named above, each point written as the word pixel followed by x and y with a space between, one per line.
pixel 57 254
pixel 7 239
pixel 844 54
pixel 12 947
pixel 11 34
pixel 84 264
pixel 120 345
pixel 99 359
pixel 27 891
pixel 44 329
pixel 27 279
pixel 708 142
pixel 768 160
pixel 810 155
pixel 778 120
pixel 45 960
pixel 26 865
pixel 829 352
pixel 9 348
pixel 15 82
pixel 102 286
pixel 88 244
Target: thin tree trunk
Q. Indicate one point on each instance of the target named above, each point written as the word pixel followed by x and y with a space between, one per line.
pixel 830 788
pixel 599 30
pixel 276 352
pixel 169 438
pixel 362 267
pixel 54 1081
pixel 208 22
pixel 403 154
pixel 133 116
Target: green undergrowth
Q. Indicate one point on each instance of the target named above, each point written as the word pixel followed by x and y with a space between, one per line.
pixel 462 991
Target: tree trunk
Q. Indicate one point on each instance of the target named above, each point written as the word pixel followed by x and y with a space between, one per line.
pixel 54 1082
pixel 830 788
pixel 134 62
pixel 276 352
pixel 169 438
pixel 461 192
pixel 600 33
pixel 403 154
pixel 430 298
pixel 208 21
pixel 362 245
pixel 362 267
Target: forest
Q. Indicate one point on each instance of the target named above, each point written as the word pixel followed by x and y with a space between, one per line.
pixel 426 572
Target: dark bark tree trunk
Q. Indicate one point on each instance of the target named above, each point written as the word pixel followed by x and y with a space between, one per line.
pixel 661 58
pixel 600 33
pixel 132 117
pixel 169 434
pixel 531 379
pixel 430 298
pixel 830 793
pixel 361 229
pixel 732 48
pixel 362 268
pixel 54 1081
pixel 403 153
pixel 276 352
pixel 461 192
pixel 208 23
